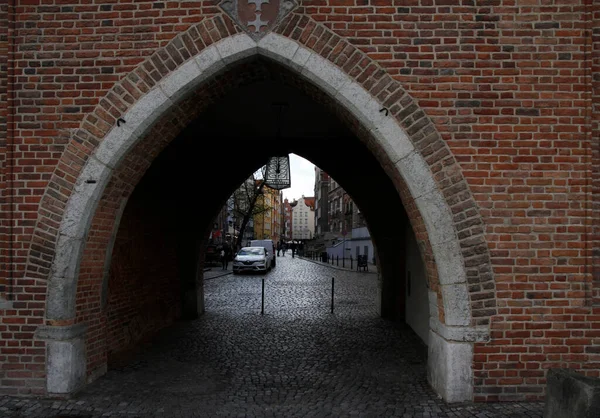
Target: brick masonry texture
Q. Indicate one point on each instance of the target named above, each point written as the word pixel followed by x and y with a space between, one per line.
pixel 142 287
pixel 498 96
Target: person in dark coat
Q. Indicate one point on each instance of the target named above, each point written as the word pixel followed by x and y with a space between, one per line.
pixel 225 254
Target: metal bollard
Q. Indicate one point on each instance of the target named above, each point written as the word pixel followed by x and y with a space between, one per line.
pixel 337 260
pixel 351 263
pixel 343 262
pixel 262 302
pixel 332 292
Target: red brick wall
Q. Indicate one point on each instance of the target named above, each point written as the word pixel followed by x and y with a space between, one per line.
pixel 143 293
pixel 596 154
pixel 4 209
pixel 507 84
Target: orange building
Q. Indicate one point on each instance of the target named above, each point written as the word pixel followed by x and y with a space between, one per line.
pixel 267 224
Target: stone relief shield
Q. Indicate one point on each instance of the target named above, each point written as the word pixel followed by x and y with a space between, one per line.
pixel 257 17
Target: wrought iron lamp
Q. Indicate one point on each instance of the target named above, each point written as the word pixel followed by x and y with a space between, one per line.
pixel 277 170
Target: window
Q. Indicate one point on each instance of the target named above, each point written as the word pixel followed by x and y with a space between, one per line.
pixel 252 251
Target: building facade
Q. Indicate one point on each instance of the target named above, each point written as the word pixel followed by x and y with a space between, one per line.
pixel 347 234
pixel 340 210
pixel 482 119
pixel 226 227
pixel 287 226
pixel 303 218
pixel 322 180
pixel 267 218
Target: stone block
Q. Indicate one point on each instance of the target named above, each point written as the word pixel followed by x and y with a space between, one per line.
pixel 108 150
pixel 138 119
pixel 142 115
pixel 84 199
pixel 181 81
pixel 570 394
pixel 60 303
pixel 433 305
pixel 66 365
pixel 449 369
pixel 437 217
pixel 393 138
pixel 209 62
pixel 277 48
pixel 324 74
pixel 456 304
pixel 449 261
pixel 68 252
pixel 459 333
pixel 416 173
pixel 358 101
pixel 236 48
pixel 299 59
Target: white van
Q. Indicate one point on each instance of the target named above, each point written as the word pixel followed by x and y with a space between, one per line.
pixel 268 245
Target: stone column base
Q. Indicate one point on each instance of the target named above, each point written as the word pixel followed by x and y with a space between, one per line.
pixel 65 358
pixel 449 369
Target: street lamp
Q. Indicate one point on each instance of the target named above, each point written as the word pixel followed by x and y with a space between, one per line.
pixel 277 171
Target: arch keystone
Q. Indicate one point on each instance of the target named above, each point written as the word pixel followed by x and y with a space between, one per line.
pixel 277 48
pixel 236 48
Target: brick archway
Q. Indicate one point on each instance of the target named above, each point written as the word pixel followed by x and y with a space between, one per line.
pixel 403 138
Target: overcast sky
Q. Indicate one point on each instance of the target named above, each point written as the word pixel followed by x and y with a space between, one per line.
pixel 303 178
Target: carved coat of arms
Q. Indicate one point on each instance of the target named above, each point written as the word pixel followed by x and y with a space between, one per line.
pixel 257 17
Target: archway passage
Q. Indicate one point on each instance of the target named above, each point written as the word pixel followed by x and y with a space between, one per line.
pixel 439 207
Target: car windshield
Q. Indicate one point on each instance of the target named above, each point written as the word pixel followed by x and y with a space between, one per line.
pixel 251 251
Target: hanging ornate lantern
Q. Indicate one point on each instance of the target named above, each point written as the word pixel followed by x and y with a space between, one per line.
pixel 277 172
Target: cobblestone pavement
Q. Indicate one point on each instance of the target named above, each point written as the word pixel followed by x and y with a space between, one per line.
pixel 296 360
pixel 343 265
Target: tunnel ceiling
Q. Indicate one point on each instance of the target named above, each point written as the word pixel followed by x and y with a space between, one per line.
pixel 248 112
pixel 234 137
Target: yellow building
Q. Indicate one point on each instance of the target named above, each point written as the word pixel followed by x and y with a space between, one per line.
pixel 267 223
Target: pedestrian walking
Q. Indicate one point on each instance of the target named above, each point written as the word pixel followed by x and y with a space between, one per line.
pixel 224 260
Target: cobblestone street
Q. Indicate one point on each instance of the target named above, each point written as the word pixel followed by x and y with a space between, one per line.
pixel 296 360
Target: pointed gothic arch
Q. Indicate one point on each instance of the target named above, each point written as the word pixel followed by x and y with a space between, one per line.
pixel 403 138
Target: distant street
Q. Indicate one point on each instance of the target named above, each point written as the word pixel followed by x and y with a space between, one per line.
pixel 296 360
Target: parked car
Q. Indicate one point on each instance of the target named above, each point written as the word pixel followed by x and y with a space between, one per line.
pixel 269 246
pixel 252 259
